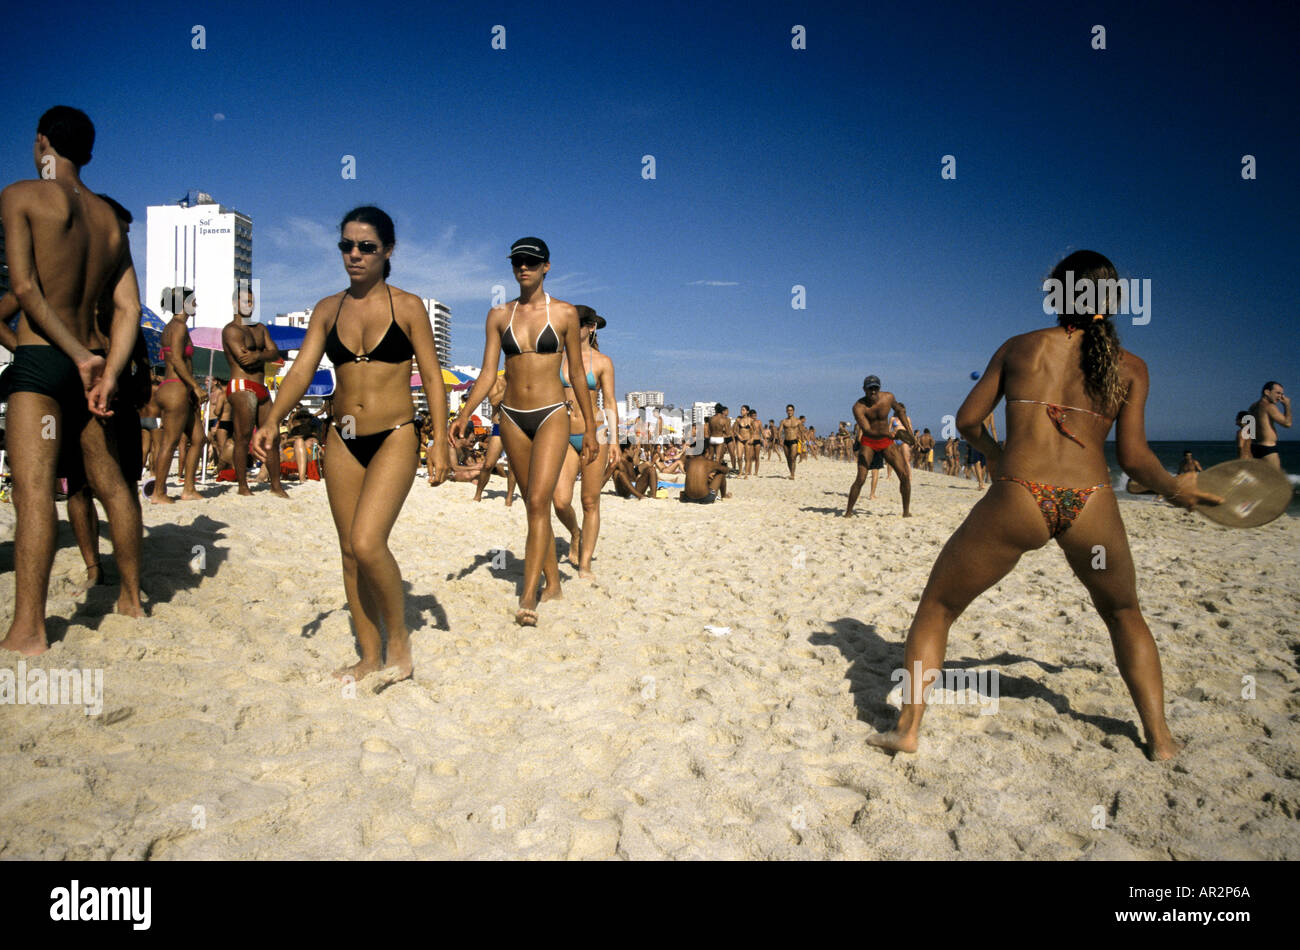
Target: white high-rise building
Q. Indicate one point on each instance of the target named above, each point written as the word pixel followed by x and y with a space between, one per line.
pixel 297 318
pixel 701 411
pixel 640 400
pixel 200 244
pixel 440 315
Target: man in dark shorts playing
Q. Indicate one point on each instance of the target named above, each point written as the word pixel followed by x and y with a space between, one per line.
pixel 67 256
pixel 249 348
pixel 872 415
pixel 706 480
pixel 1272 409
pixel 787 435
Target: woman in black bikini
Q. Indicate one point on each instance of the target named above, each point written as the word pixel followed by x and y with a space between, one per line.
pixel 1080 363
pixel 370 331
pixel 600 376
pixel 535 333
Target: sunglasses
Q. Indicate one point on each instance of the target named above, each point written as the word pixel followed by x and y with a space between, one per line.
pixel 365 247
pixel 532 263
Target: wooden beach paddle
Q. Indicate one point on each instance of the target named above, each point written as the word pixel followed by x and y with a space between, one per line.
pixel 1253 492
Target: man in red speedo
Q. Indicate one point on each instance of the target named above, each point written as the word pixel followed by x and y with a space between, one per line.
pixel 249 348
pixel 872 415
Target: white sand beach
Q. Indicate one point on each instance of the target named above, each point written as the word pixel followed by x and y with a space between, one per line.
pixel 622 726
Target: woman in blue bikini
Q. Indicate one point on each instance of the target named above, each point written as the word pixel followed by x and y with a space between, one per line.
pixel 535 333
pixel 370 332
pixel 1052 482
pixel 600 377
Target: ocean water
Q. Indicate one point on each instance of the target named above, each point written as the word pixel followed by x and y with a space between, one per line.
pixel 1208 454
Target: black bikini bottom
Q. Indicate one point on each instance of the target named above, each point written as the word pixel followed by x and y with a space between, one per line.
pixel 364 447
pixel 528 421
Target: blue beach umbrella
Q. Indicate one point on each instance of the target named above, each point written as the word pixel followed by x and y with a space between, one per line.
pixel 151 327
pixel 322 384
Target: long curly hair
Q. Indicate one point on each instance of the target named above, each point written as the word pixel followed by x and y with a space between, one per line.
pixel 1100 354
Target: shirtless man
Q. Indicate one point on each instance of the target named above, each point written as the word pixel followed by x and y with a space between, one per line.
pixel 67 254
pixel 926 450
pixel 1189 464
pixel 494 448
pixel 975 460
pixel 248 348
pixel 632 477
pixel 706 480
pixel 719 427
pixel 218 407
pixel 950 456
pixel 787 434
pixel 1243 434
pixel 872 413
pixel 1272 407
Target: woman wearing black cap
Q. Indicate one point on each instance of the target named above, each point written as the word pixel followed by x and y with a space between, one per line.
pixel 535 333
pixel 599 370
pixel 1080 363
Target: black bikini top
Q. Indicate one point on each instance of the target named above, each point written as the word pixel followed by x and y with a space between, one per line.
pixel 391 349
pixel 544 344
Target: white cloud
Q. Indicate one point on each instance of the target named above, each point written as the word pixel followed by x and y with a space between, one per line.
pixel 713 283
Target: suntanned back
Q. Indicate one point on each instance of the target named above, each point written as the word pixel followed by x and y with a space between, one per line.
pixel 78 248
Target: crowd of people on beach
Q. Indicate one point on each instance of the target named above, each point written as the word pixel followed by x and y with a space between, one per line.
pixel 80 386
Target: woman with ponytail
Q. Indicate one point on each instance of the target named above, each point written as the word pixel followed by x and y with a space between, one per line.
pixel 1052 482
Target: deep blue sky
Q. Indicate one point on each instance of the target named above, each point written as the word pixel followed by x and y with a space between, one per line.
pixel 775 167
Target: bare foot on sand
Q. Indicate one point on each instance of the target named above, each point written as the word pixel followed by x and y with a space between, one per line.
pixel 280 492
pixel 1165 750
pixel 526 617
pixel 31 645
pixel 129 607
pixel 191 496
pixel 575 546
pixel 893 741
pixel 357 671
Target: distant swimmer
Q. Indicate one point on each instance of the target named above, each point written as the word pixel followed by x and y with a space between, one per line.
pixel 872 413
pixel 1244 428
pixel 248 348
pixel 706 480
pixel 536 333
pixel 1272 409
pixel 68 257
pixel 1189 464
pixel 1064 386
pixel 370 331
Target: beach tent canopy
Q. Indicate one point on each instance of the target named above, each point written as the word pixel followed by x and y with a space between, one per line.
pixel 286 338
pixel 322 384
